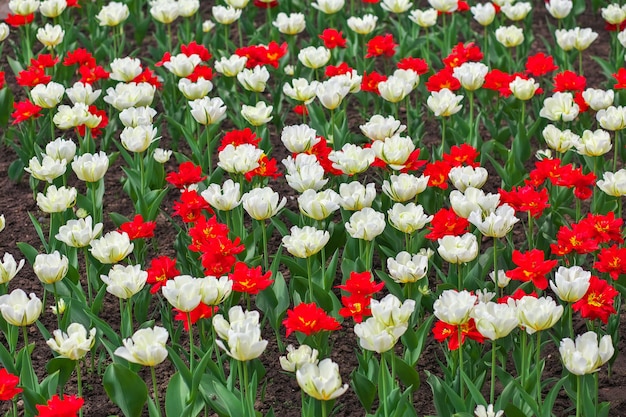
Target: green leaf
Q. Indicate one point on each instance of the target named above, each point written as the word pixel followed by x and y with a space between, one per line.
pixel 64 366
pixel 176 397
pixel 406 373
pixel 126 389
pixel 50 384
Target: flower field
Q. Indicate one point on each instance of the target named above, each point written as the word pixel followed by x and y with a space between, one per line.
pixel 289 208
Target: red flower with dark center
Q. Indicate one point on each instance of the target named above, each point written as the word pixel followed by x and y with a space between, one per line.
pixel 418 65
pixel 531 266
pixel 369 82
pixel 16 20
pixel 612 261
pixel 239 137
pixel 361 284
pixel 2 80
pixel 32 76
pixel 8 385
pixel 438 174
pixel 195 48
pixel 188 174
pixel 446 222
pixel 24 110
pixel 442 79
pixel 203 311
pixel 333 70
pixel 444 331
pixel 81 57
pixel 355 306
pixel 569 81
pixel 462 155
pixel 267 168
pixel 138 229
pixel 597 303
pixel 540 64
pixel 250 280
pixel 309 319
pixel 69 406
pixel 333 39
pixel 161 269
pixel 381 45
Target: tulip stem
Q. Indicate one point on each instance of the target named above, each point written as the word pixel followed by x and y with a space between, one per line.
pixel 473 140
pixel 56 302
pixel 79 384
pixel 461 385
pixel 155 390
pixel 492 388
pixel 310 278
pixel 383 397
pixel 190 343
pixel 495 264
pixel 89 295
pixel 324 409
pixel 265 257
pixel 538 365
pixel 579 381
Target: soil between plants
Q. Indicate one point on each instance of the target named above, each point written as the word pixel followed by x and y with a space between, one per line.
pixel 282 394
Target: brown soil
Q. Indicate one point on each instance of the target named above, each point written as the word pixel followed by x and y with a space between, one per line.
pixel 282 392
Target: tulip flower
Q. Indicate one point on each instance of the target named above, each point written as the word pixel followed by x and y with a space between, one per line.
pixel 321 381
pixel 19 309
pixel 296 358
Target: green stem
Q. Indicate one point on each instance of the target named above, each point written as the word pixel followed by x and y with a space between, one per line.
pixel 616 149
pixel 579 396
pixel 538 365
pixel 461 385
pixel 473 140
pixel 331 130
pixel 155 390
pixel 492 388
pixel 324 408
pixel 79 383
pixel 265 255
pixel 56 303
pixel 495 262
pixel 383 399
pixel 524 369
pixel 190 343
pixel 310 278
pixel 530 231
pixel 89 295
